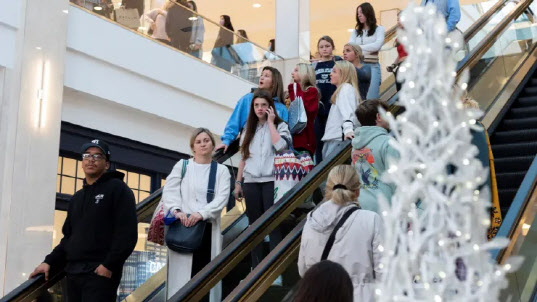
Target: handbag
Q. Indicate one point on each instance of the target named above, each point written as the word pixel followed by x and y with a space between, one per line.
pixel 128 17
pixel 155 233
pixel 332 238
pixel 290 167
pixel 298 118
pixel 187 240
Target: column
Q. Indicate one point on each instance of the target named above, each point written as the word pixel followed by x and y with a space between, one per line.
pixel 292 34
pixel 30 119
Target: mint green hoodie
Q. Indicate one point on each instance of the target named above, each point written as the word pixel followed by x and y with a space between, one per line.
pixel 370 153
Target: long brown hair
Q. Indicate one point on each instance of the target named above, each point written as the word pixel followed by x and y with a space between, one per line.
pixel 325 281
pixel 251 122
pixel 277 83
pixel 370 19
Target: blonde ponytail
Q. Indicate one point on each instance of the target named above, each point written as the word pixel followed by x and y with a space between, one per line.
pixel 342 185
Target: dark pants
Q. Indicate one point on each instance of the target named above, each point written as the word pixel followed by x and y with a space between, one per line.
pixel 202 257
pixel 259 198
pixel 90 287
pixel 319 127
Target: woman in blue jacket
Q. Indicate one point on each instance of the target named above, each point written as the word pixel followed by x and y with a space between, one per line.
pixel 270 80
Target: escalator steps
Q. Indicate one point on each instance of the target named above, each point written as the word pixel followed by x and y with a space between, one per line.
pixel 532 90
pixel 529 101
pixel 522 112
pixel 513 164
pixel 515 136
pixel 518 123
pixel 507 180
pixel 517 149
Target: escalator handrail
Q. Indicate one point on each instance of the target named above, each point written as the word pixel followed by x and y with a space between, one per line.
pixel 476 26
pixel 283 250
pixel 517 207
pixel 202 282
pixel 144 209
pixel 486 43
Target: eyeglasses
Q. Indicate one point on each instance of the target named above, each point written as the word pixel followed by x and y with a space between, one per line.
pixel 95 157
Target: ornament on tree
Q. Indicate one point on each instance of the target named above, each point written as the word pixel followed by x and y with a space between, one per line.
pixel 441 252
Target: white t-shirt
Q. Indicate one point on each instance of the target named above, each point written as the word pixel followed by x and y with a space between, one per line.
pixel 200 173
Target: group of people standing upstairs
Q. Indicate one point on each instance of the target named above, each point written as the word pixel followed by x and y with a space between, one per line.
pixel 341 102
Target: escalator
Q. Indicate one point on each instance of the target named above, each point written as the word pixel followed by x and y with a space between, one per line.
pixel 231 265
pixel 513 144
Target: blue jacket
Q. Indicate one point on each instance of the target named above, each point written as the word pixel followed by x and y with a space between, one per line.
pixel 238 118
pixel 450 9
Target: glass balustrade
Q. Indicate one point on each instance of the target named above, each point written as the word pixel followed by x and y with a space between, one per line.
pixel 181 28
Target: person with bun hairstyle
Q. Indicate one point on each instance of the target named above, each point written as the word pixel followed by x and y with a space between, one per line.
pixel 303 76
pixel 357 240
pixel 264 135
pixel 370 36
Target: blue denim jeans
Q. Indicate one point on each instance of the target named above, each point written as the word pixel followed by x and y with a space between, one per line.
pixel 374 86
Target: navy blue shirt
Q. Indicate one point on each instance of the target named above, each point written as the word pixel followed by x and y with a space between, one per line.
pixel 364 80
pixel 322 75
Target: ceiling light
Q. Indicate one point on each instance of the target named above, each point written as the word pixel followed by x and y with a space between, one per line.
pixel 350 30
pixel 38 48
pixel 193 18
pixel 256 5
pixel 97 8
pixel 65 11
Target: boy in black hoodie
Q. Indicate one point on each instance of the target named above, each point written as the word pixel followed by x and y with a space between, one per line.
pixel 100 231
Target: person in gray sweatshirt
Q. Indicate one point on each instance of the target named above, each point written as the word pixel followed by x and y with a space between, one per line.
pixel 265 134
pixel 370 152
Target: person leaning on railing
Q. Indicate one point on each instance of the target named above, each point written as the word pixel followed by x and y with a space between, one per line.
pixel 99 233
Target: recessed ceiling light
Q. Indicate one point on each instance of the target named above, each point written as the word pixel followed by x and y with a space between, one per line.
pixel 256 5
pixel 193 18
pixel 97 8
pixel 38 48
pixel 65 11
pixel 350 30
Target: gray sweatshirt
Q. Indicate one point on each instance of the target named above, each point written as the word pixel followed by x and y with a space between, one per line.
pixel 260 166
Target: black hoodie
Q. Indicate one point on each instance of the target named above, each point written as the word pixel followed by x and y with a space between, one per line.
pixel 100 228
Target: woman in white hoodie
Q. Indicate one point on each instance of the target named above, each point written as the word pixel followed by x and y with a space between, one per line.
pixel 264 135
pixel 341 118
pixel 356 244
pixel 185 197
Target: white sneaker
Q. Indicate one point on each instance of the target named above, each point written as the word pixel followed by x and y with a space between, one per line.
pixel 278 281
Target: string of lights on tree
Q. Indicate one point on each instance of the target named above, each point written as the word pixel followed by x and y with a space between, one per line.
pixel 435 246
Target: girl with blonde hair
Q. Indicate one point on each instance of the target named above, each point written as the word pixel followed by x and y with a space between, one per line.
pixel 344 102
pixel 353 53
pixel 303 86
pixel 358 234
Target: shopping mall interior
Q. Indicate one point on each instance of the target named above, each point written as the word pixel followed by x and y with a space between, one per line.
pixel 73 71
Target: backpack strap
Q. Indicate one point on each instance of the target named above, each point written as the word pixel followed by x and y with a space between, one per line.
pixel 183 170
pixel 212 181
pixel 332 237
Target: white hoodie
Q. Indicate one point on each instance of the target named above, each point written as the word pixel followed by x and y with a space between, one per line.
pixel 355 247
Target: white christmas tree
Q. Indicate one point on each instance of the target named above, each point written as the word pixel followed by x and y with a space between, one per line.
pixel 437 250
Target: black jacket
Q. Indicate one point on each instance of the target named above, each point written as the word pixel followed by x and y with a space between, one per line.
pixel 101 226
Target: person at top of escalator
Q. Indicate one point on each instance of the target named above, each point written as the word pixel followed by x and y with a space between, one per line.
pixel 99 233
pixel 323 67
pixel 198 32
pixel 271 81
pixel 179 26
pixel 353 53
pixel 157 22
pixel 451 10
pixel 185 196
pixel 357 241
pixel 370 37
pixel 222 55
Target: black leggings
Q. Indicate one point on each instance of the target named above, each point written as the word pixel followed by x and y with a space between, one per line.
pixel 259 197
